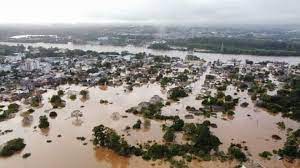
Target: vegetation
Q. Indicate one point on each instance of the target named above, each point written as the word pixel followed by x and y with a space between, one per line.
pixel 73 97
pixel 192 58
pixel 43 122
pixel 106 137
pixel 60 93
pixel 56 101
pixel 202 142
pixel 227 103
pixel 137 125
pixel 169 135
pixel 177 92
pixel 161 151
pixel 236 152
pixel 177 124
pixel 35 101
pixel 10 50
pixel 3 114
pixel 281 125
pixel 291 147
pixel 30 111
pixel 165 81
pixel 151 111
pixel 26 155
pixel 13 108
pixel 240 46
pixel 182 77
pixel 84 93
pixel 12 146
pixel 53 114
pixel 160 46
pixel 286 101
pixel 103 101
pixel 210 77
pixel 266 155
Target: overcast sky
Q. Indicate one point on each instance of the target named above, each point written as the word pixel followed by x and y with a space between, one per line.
pixel 152 11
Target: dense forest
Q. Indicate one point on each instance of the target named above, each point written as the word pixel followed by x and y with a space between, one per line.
pixel 240 46
pixel 10 50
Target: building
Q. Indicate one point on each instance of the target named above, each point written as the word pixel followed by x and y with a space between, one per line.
pixel 15 58
pixel 30 65
pixel 5 67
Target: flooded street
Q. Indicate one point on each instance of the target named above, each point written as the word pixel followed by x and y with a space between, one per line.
pixel 150 84
pixel 67 151
pixel 60 147
pixel 67 147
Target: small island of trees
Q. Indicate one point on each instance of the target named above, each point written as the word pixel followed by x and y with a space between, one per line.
pixel 12 146
pixel 44 123
pixel 57 102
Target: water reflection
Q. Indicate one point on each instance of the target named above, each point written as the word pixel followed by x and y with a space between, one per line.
pixel 110 157
pixel 253 129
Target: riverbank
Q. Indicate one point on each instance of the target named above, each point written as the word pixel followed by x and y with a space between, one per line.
pixel 172 53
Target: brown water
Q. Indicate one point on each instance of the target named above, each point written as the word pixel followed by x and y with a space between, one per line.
pixel 67 151
pixel 171 53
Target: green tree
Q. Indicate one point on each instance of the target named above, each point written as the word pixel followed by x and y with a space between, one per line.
pixel 13 108
pixel 12 146
pixel 169 135
pixel 43 122
pixel 137 125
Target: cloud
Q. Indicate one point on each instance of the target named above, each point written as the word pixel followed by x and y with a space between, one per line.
pixel 153 11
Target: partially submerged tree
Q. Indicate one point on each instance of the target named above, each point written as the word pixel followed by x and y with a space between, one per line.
pixel 56 101
pixel 12 146
pixel 43 122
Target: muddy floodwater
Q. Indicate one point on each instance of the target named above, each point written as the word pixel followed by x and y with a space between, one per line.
pixel 67 151
pixel 171 53
pixel 253 125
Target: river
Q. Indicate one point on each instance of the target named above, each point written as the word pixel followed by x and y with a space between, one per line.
pixel 172 53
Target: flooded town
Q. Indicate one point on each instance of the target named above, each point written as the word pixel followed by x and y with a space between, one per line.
pixel 77 108
pixel 150 84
